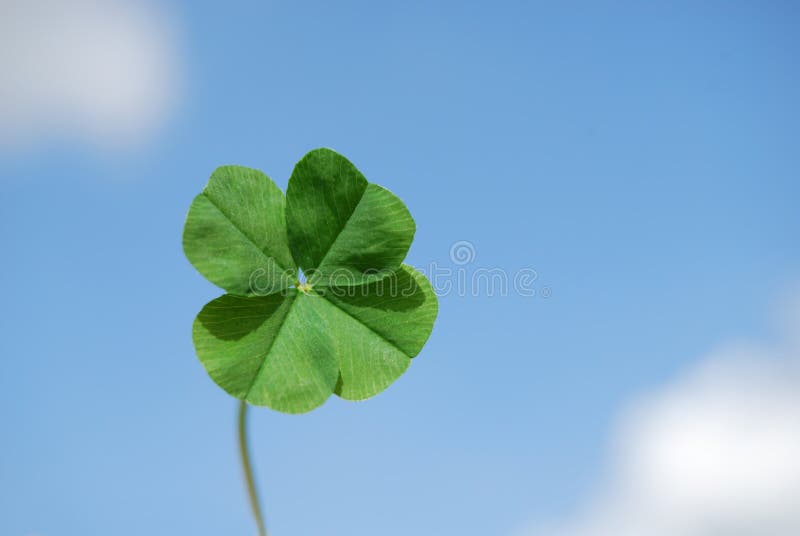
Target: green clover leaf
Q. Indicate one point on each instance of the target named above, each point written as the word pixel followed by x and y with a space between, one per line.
pixel 351 329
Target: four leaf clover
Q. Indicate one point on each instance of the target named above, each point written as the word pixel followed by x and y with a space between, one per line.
pixel 350 328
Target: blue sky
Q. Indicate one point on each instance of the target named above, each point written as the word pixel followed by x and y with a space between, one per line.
pixel 641 157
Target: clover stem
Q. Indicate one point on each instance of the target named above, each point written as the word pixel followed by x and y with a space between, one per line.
pixel 248 470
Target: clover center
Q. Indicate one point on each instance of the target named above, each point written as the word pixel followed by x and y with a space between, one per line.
pixel 302 283
pixel 304 287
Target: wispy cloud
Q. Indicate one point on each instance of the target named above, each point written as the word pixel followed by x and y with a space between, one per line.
pixel 99 71
pixel 716 453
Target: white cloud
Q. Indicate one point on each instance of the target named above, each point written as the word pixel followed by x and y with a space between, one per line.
pixel 99 71
pixel 716 453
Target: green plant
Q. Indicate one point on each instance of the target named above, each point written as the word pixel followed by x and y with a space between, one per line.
pixel 318 300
